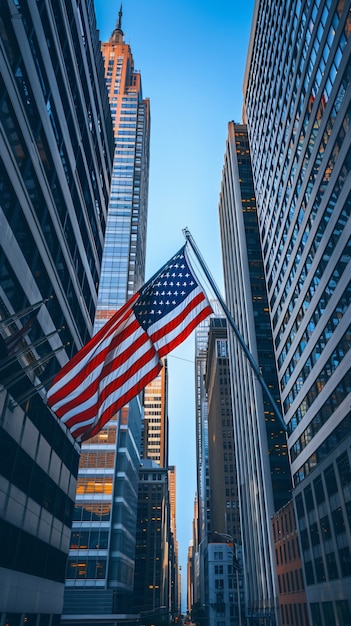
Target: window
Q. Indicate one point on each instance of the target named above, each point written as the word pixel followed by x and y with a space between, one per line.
pixel 344 469
pixel 319 490
pixel 331 566
pixel 330 480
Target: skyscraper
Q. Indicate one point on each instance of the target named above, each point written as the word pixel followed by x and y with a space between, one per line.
pixel 155 420
pixel 56 149
pixel 100 571
pixel 222 591
pixel 260 442
pixel 297 104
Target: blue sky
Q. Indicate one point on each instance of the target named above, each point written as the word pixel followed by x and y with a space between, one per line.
pixel 191 55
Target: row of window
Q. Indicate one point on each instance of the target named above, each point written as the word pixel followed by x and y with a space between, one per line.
pixel 295 614
pixel 291 582
pixel 86 568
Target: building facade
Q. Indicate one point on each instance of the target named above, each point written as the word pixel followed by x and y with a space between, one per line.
pixel 107 493
pixel 56 150
pixel 152 588
pixel 260 442
pixel 224 501
pixel 155 419
pixel 292 594
pixel 298 116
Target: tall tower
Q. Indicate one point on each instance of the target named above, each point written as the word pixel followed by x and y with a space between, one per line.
pixel 297 106
pixel 100 571
pixel 56 150
pixel 261 448
pixel 224 504
pixel 123 265
pixel 155 421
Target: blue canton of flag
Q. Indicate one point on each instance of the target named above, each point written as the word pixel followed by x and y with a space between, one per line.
pixel 171 288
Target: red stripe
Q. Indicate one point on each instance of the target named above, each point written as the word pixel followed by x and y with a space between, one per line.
pixel 171 345
pixel 121 402
pixel 176 321
pixel 114 365
pixel 106 389
pixel 135 367
pixel 96 360
pixel 96 339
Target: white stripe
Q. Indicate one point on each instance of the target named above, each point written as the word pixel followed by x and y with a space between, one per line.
pixel 87 404
pixel 173 333
pixel 95 350
pixel 111 398
pixel 95 374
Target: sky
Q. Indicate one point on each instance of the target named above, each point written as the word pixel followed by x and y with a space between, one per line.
pixel 192 56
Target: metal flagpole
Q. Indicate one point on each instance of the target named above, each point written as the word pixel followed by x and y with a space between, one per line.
pixel 7 361
pixel 29 309
pixel 15 378
pixel 229 317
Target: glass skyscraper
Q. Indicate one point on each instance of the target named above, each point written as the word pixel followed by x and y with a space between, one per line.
pixel 56 151
pixel 297 105
pixel 100 571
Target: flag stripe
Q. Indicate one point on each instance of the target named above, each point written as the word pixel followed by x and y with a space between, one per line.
pixel 86 387
pixel 125 355
pixel 81 359
pixel 123 371
pixel 129 395
pixel 110 403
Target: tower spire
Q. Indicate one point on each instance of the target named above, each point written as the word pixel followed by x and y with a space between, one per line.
pixel 117 35
pixel 120 13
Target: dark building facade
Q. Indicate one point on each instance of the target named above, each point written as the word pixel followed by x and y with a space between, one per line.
pixel 56 148
pixel 261 447
pixel 152 582
pixel 297 103
pixel 224 585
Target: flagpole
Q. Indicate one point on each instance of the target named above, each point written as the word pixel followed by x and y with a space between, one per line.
pixel 7 361
pixel 230 319
pixel 15 378
pixel 29 309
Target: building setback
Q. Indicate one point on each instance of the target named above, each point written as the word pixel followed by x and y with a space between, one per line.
pixel 100 573
pixel 56 147
pixel 261 448
pixel 297 102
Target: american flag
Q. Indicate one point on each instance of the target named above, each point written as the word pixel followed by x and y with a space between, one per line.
pixel 125 355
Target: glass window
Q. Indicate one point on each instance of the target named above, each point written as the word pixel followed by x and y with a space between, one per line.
pixel 319 569
pixel 316 614
pixel 325 528
pixel 330 480
pixel 309 498
pixel 343 611
pixel 338 521
pixel 319 490
pixel 309 573
pixel 328 612
pixel 344 469
pixel 345 561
